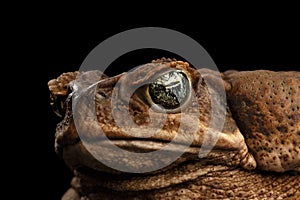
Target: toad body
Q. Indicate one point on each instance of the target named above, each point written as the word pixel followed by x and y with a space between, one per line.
pixel 166 130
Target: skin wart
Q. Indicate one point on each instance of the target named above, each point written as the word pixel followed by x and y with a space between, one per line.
pixel 256 154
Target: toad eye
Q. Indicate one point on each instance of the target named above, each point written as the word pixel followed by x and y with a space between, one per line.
pixel 170 91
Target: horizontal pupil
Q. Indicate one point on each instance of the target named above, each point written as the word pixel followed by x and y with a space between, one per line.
pixel 169 90
pixel 163 96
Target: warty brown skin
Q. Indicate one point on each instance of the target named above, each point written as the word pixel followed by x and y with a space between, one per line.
pixel 253 157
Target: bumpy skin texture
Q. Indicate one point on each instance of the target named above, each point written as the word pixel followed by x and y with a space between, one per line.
pixel 266 106
pixel 229 171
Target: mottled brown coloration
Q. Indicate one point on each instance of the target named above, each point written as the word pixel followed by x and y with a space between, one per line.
pixel 266 107
pixel 217 183
pixel 227 172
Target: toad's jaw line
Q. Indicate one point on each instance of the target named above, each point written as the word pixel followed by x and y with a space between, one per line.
pixel 159 180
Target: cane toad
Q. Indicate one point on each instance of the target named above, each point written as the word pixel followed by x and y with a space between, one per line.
pixel 256 154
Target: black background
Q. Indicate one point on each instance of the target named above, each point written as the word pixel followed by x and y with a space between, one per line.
pixel 268 43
